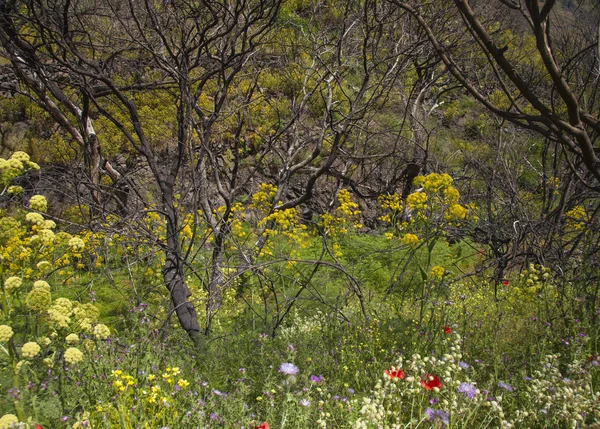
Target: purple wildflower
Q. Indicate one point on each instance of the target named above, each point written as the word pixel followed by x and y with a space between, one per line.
pixel 468 389
pixel 464 365
pixel 505 386
pixel 304 402
pixel 432 414
pixel 288 369
pixel 316 378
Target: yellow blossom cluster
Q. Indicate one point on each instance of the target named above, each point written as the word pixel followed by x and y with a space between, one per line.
pixel 410 239
pixel 39 298
pixel 576 218
pixel 6 333
pixel 11 284
pixel 60 312
pixel 392 204
pixel 16 165
pixel 262 199
pixel 30 350
pixel 101 331
pixel 437 272
pixel 38 203
pixel 72 339
pixel 73 356
pixel 76 244
pixel 417 201
pixel 8 421
pixel 345 216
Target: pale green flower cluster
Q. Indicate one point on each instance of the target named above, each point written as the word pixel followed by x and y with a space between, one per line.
pixel 72 339
pixel 85 315
pixel 14 190
pixel 76 244
pixel 13 167
pixel 562 399
pixel 73 355
pixel 46 236
pixel 30 350
pixel 34 218
pixel 101 331
pixel 11 284
pixel 6 333
pixel 38 203
pixel 43 265
pixel 8 421
pixel 39 299
pixel 49 224
pixel 60 312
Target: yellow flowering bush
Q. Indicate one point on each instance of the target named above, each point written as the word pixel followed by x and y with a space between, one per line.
pixel 344 218
pixel 576 218
pixel 262 200
pixel 6 333
pixel 30 350
pixel 392 206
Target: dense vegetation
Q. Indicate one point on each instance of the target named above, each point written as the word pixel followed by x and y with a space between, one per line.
pixel 292 214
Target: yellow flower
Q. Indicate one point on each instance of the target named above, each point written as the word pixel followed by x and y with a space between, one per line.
pixel 6 333
pixel 410 239
pixel 417 200
pixel 73 355
pixel 457 211
pixel 30 350
pixel 437 272
pixel 183 383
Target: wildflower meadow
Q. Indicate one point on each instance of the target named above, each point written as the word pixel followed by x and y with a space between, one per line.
pixel 323 332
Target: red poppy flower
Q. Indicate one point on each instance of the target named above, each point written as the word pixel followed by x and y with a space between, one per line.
pixel 38 426
pixel 505 282
pixel 264 425
pixel 430 382
pixel 447 329
pixel 394 373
